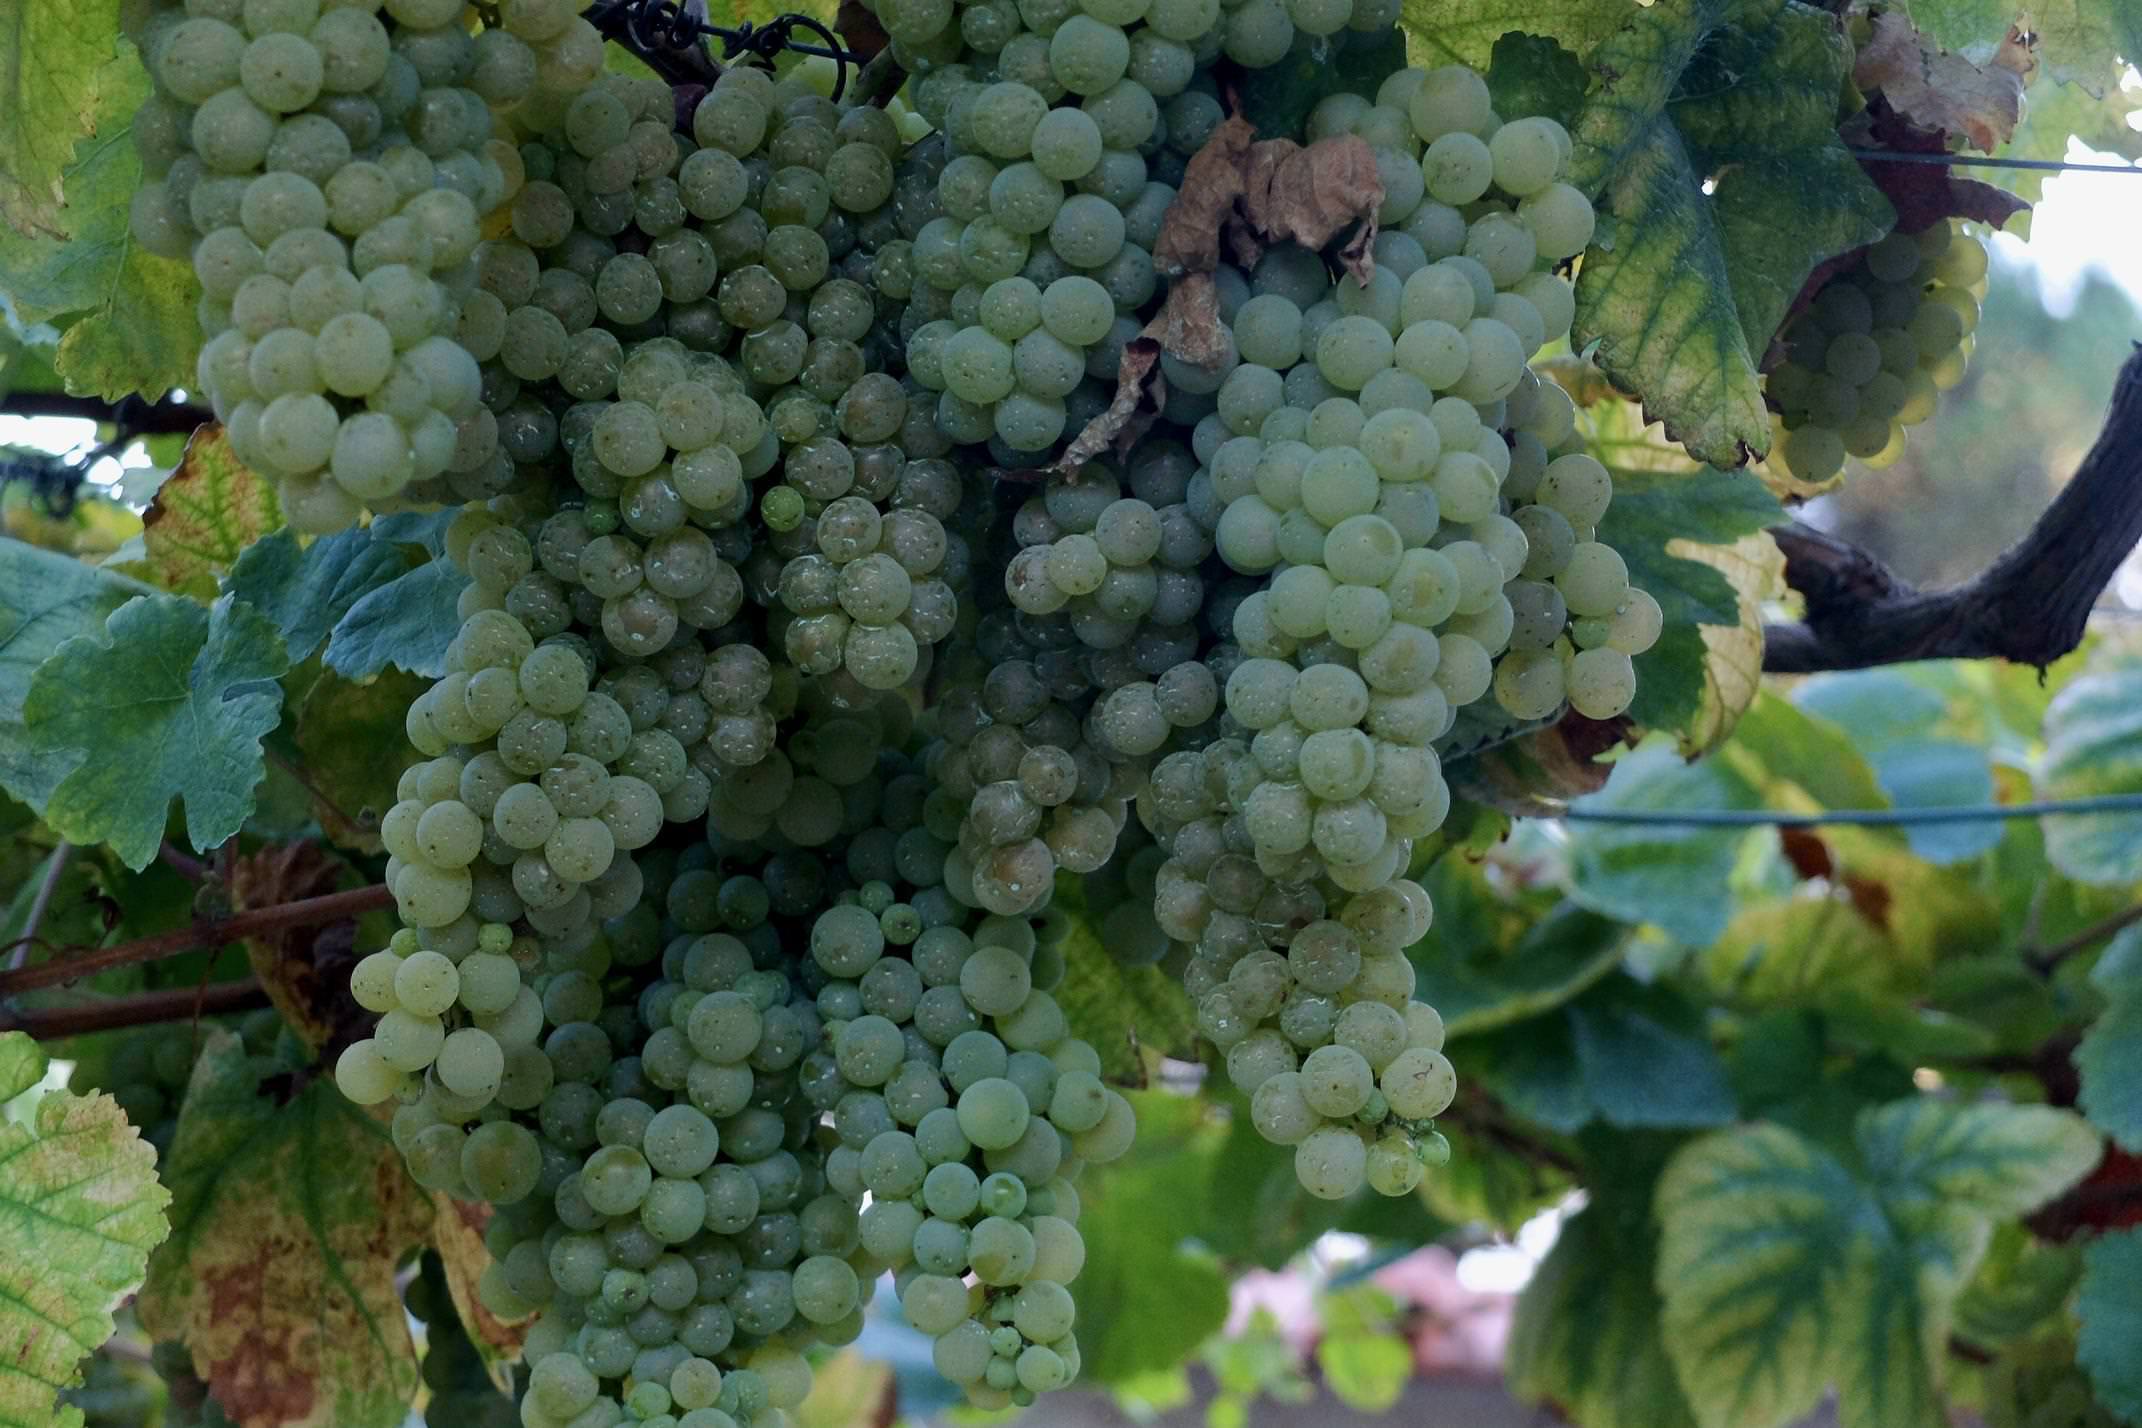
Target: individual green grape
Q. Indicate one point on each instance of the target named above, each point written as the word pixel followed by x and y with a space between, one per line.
pixel 1602 682
pixel 364 1075
pixel 1331 1162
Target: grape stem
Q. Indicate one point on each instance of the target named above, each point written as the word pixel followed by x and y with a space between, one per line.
pixel 74 963
pixel 2031 606
pixel 139 1009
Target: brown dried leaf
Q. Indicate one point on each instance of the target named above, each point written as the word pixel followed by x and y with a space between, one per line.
pixel 312 996
pixel 1311 195
pixel 1537 774
pixel 1188 325
pixel 2018 53
pixel 1139 394
pixel 1205 202
pixel 1937 90
pixel 1249 195
pixel 457 1233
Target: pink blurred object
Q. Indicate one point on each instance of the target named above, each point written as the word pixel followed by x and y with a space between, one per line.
pixel 1287 1296
pixel 1455 1329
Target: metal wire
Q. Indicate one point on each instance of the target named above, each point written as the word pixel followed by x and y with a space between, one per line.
pixel 664 24
pixel 1864 817
pixel 1964 161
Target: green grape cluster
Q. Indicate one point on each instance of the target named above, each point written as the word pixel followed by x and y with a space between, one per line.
pixel 1869 356
pixel 691 963
pixel 327 171
pixel 774 723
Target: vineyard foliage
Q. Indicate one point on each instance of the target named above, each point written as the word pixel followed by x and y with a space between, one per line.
pixel 1831 1110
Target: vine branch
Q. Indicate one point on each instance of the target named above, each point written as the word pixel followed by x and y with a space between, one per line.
pixel 208 932
pixel 2046 959
pixel 132 415
pixel 139 1009
pixel 2031 606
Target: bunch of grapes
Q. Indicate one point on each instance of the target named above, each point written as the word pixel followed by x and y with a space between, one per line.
pixel 327 170
pixel 776 721
pixel 690 964
pixel 1869 356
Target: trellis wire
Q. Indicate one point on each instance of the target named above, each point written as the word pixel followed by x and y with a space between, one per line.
pixel 1863 817
pixel 1964 161
pixel 664 24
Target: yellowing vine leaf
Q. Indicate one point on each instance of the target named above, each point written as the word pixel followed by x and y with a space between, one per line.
pixel 287 1223
pixel 56 64
pixel 80 1210
pixel 205 515
pixel 134 328
pixel 1733 654
pixel 1784 1270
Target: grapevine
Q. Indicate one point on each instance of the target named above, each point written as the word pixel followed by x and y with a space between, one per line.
pixel 713 931
pixel 744 722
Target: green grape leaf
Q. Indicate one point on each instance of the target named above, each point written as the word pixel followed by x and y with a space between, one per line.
pixel 1531 74
pixel 1672 876
pixel 58 62
pixel 1586 1336
pixel 1785 1271
pixel 1816 951
pixel 288 1219
pixel 136 329
pixel 352 737
pixel 1148 1295
pixel 1366 1371
pixel 307 589
pixel 1623 1053
pixel 407 621
pixel 205 516
pixel 1119 1009
pixel 1885 722
pixel 26 357
pixel 45 599
pixel 1442 32
pixel 1479 984
pixel 1708 119
pixel 2109 1058
pixel 1271 1218
pixel 173 702
pixel 2022 1284
pixel 2079 42
pixel 2093 745
pixel 1658 521
pixel 2110 1346
pixel 80 1210
pixel 1789 750
pixel 1486 1182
